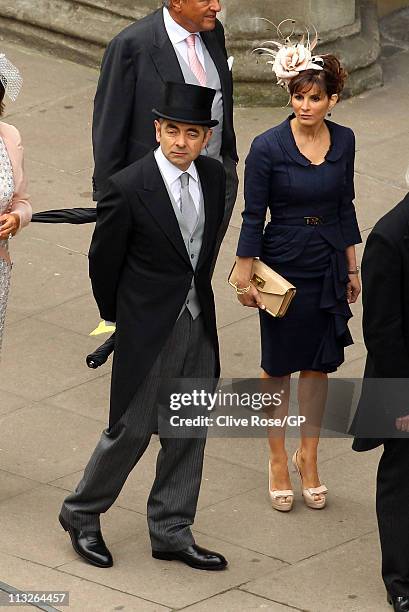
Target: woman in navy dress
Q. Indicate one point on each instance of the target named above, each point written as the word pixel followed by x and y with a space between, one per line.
pixel 302 172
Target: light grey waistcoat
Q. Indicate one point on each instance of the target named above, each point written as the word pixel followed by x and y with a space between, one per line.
pixel 214 147
pixel 193 243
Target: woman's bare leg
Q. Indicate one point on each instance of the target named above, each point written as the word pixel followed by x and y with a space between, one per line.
pixel 276 436
pixel 312 398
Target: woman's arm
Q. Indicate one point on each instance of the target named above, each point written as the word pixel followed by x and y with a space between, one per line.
pixel 354 284
pixel 347 214
pixel 20 211
pixel 257 180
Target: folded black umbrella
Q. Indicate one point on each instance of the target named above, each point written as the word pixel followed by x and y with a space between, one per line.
pixel 76 216
pixel 100 356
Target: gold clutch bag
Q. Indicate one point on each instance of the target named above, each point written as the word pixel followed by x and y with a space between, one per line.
pixel 277 293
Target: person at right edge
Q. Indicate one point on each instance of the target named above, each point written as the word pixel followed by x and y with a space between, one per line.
pixel 303 171
pixel 384 404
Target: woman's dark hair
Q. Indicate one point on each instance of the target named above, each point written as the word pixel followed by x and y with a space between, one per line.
pixel 2 93
pixel 330 80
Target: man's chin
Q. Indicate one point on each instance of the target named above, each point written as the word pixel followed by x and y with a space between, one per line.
pixel 208 25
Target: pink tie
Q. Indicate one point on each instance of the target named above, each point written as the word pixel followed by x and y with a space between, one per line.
pixel 194 61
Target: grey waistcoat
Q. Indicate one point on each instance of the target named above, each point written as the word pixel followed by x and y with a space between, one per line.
pixel 193 243
pixel 213 81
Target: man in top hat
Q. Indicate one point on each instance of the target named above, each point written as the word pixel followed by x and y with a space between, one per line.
pixel 150 267
pixel 181 42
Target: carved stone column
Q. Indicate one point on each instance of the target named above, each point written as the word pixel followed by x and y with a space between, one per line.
pixel 350 30
pixel 80 30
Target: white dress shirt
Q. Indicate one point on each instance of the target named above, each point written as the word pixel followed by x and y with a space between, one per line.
pixel 178 36
pixel 172 174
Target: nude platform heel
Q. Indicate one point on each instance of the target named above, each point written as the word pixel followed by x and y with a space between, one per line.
pixel 308 493
pixel 279 499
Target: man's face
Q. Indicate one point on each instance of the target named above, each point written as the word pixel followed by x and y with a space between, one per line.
pixel 181 143
pixel 196 15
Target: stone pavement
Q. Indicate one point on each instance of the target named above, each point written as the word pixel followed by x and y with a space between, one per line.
pixel 53 408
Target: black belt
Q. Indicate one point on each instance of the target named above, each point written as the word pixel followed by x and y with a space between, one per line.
pixel 304 220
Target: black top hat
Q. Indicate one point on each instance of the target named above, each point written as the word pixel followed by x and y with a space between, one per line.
pixel 185 103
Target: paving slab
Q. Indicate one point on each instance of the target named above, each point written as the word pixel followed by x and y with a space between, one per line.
pixel 54 357
pixel 345 578
pixel 172 583
pixel 257 526
pixel 69 117
pixel 78 315
pixel 9 402
pixel 240 343
pixel 353 477
pixel 29 527
pixel 376 161
pixel 89 399
pixel 84 595
pixel 374 197
pixel 12 484
pixel 53 188
pixel 237 600
pixel 45 443
pixel 47 273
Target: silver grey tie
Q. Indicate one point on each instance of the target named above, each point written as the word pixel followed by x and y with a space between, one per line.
pixel 187 205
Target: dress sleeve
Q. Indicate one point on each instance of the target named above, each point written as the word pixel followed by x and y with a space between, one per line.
pixel 257 180
pixel 347 214
pixel 20 204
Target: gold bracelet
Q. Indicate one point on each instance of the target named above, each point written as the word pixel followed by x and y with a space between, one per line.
pixel 356 271
pixel 242 290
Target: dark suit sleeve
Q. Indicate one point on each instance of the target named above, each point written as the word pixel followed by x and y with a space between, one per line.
pixel 113 105
pixel 223 179
pixel 108 249
pixel 221 37
pixel 347 214
pixel 257 178
pixel 383 303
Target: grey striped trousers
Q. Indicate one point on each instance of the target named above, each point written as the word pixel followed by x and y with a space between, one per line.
pixel 173 498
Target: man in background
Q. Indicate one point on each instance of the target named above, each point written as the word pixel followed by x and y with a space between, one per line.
pixel 182 42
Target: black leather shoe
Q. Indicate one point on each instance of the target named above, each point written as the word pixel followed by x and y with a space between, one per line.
pixel 400 604
pixel 89 545
pixel 194 556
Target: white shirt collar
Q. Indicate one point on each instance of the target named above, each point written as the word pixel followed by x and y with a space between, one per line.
pixel 171 172
pixel 175 31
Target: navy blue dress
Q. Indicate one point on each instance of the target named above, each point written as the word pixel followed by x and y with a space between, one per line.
pixel 310 253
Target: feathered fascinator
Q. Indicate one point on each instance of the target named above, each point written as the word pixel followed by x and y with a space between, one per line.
pixel 289 58
pixel 10 78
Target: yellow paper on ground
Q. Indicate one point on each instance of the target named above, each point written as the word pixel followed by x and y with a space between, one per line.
pixel 103 328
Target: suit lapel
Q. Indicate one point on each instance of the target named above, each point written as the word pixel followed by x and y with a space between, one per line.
pixel 163 53
pixel 209 190
pixel 156 199
pixel 217 54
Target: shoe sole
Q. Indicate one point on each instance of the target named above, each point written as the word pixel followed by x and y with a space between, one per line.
pixel 66 528
pixel 169 557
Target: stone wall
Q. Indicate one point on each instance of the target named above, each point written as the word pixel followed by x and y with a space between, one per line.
pixel 385 7
pixel 80 30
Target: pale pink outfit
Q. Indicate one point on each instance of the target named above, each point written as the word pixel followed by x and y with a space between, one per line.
pixel 13 198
